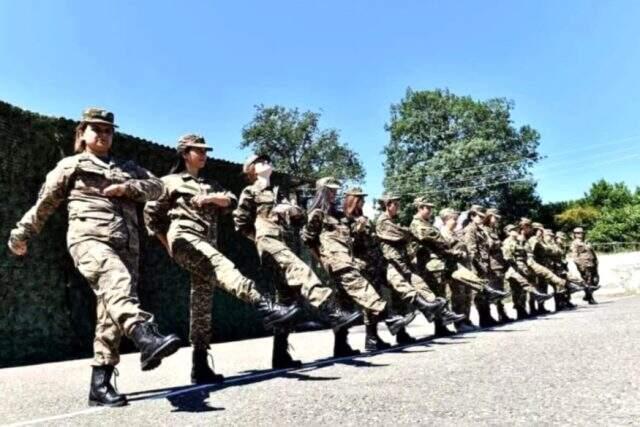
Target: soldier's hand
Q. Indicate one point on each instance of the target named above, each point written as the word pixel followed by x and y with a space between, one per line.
pixel 18 247
pixel 198 200
pixel 115 190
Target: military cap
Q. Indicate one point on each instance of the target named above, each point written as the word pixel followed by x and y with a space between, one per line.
pixel 561 234
pixel 194 141
pixel 389 197
pixel 355 191
pixel 98 115
pixel 578 230
pixel 548 232
pixel 537 225
pixel 509 228
pixel 493 211
pixel 477 209
pixel 327 182
pixel 253 159
pixel 524 221
pixel 422 201
pixel 446 213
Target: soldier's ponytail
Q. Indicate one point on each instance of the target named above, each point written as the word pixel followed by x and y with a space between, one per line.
pixel 79 144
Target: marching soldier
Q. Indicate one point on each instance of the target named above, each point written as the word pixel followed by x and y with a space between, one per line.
pixel 586 261
pixel 101 193
pixel 328 235
pixel 185 220
pixel 261 216
pixel 394 240
pixel 497 263
pixel 520 277
pixel 437 260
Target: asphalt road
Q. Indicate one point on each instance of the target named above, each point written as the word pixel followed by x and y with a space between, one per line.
pixel 572 368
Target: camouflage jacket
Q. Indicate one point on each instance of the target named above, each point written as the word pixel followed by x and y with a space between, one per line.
pixel 174 215
pixel 79 180
pixel 432 251
pixel 583 254
pixel 494 247
pixel 330 234
pixel 476 242
pixel 514 251
pixel 394 241
pixel 537 250
pixel 261 212
pixel 367 250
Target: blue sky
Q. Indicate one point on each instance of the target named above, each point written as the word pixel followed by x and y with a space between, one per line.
pixel 166 68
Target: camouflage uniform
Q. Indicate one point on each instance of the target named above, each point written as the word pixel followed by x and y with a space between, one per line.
pixel 330 234
pixel 102 237
pixel 519 276
pixel 475 240
pixel 192 236
pixel 586 261
pixel 537 253
pixel 394 241
pixel 260 215
pixel 461 295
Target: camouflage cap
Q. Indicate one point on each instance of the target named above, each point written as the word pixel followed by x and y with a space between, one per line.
pixel 422 201
pixel 578 230
pixel 509 228
pixel 477 209
pixel 98 115
pixel 447 213
pixel 524 222
pixel 493 212
pixel 328 182
pixel 537 225
pixel 192 140
pixel 389 197
pixel 548 232
pixel 253 159
pixel 355 191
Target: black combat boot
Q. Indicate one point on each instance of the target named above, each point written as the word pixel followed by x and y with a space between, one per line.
pixel 588 297
pixel 403 338
pixel 274 313
pixel 522 313
pixel 463 326
pixel 560 301
pixel 395 322
pixel 441 329
pixel 447 316
pixel 542 309
pixel 372 341
pixel 573 287
pixel 102 392
pixel 152 345
pixel 281 359
pixel 341 346
pixel 485 317
pixel 502 314
pixel 567 302
pixel 533 311
pixel 201 372
pixel 540 297
pixel 432 309
pixel 492 295
pixel 337 317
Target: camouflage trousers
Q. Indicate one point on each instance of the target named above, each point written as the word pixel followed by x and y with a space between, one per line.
pixel 346 274
pixel 209 269
pixel 546 277
pixel 113 277
pixel 297 274
pixel 408 286
pixel 521 282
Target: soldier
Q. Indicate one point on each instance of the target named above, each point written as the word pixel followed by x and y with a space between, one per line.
pixel 586 261
pixel 519 276
pixel 101 193
pixel 368 254
pixel 185 220
pixel 261 216
pixel 395 240
pixel 535 259
pixel 328 235
pixel 497 263
pixel 475 240
pixel 437 259
pixel 562 245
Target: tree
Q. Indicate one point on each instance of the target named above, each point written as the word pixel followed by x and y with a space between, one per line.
pixel 577 216
pixel 460 151
pixel 617 225
pixel 297 146
pixel 605 195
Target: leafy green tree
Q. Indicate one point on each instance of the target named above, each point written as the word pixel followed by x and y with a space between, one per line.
pixel 298 146
pixel 577 216
pixel 460 151
pixel 617 225
pixel 604 194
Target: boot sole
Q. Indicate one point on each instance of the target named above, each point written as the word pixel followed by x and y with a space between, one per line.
pixel 348 321
pixel 446 322
pixel 165 350
pixel 284 319
pixel 108 405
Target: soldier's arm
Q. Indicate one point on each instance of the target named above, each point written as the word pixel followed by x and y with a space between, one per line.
pixel 244 214
pixel 311 231
pixel 52 193
pixel 469 239
pixel 155 213
pixel 144 187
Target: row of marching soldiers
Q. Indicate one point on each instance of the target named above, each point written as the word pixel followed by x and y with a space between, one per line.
pixel 385 272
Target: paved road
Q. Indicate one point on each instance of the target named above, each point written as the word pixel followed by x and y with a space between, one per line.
pixel 577 368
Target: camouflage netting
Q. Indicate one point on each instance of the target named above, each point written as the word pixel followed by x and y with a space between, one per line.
pixel 47 311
